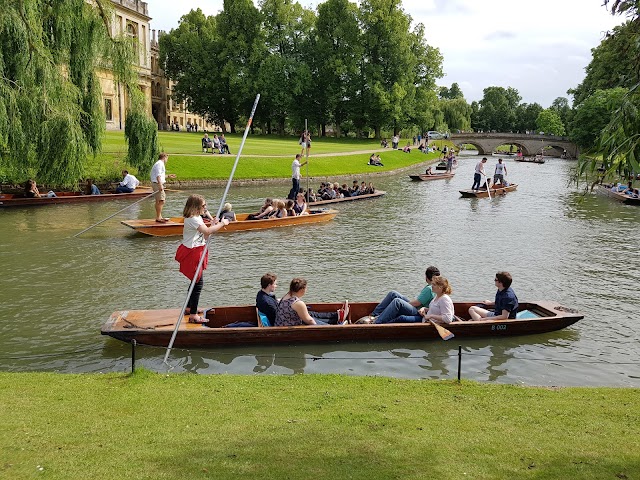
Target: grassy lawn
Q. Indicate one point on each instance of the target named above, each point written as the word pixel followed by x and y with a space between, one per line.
pixel 152 426
pixel 275 155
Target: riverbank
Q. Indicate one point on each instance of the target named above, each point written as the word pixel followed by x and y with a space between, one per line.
pixel 150 426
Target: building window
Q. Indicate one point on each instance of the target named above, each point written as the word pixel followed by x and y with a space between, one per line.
pixel 108 110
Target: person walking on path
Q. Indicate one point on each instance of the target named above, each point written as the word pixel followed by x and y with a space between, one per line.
pixel 158 178
pixel 295 177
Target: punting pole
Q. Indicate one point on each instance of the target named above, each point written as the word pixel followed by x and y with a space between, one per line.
pixel 205 251
pixel 306 195
pixel 111 216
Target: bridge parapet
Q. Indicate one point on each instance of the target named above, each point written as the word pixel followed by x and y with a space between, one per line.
pixel 530 144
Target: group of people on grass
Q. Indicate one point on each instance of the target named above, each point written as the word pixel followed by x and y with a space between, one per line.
pixel 214 144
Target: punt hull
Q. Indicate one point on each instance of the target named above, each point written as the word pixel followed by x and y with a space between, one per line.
pixel 348 199
pixel 155 327
pixel 175 224
pixel 621 197
pixel 485 194
pixel 10 200
pixel 426 178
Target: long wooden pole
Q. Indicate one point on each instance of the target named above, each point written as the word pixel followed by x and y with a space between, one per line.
pixel 307 157
pixel 111 216
pixel 205 251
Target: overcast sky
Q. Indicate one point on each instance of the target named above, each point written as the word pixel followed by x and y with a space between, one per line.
pixel 540 48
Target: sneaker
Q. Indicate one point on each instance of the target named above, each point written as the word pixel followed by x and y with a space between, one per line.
pixel 341 315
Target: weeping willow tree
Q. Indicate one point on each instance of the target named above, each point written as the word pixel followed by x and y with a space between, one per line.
pixel 618 146
pixel 51 115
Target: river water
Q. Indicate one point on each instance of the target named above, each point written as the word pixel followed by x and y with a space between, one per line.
pixel 56 290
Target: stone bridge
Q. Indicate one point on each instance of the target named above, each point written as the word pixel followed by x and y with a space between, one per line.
pixel 486 143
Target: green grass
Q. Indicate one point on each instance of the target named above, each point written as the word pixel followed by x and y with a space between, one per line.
pixel 152 426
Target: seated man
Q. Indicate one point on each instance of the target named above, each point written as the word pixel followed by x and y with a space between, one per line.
pixel 128 184
pixel 505 304
pixel 396 308
pixel 223 145
pixel 428 171
pixel 355 189
pixel 266 300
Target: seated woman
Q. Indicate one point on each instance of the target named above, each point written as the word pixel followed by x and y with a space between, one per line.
pixel 289 208
pixel 311 195
pixel 384 143
pixel 428 171
pixel 441 307
pixel 91 188
pixel 31 190
pixel 300 206
pixel 279 210
pixel 407 148
pixel 371 188
pixel 293 311
pixel 228 213
pixel 265 210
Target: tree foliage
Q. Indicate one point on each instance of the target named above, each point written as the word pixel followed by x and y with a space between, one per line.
pixel 50 98
pixel 498 109
pixel 355 67
pixel 550 123
pixel 618 144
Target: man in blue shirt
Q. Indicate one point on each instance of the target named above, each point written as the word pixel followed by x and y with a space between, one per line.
pixel 505 305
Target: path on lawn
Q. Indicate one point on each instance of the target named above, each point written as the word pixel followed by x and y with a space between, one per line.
pixel 336 154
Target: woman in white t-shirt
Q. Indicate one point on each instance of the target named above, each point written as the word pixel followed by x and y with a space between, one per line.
pixel 441 307
pixel 194 238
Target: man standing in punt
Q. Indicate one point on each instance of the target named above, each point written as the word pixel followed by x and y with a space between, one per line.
pixel 479 173
pixel 500 172
pixel 295 177
pixel 158 173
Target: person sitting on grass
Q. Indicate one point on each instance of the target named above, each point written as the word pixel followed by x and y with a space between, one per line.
pixel 407 148
pixel 505 304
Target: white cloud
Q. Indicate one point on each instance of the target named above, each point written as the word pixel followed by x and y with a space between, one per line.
pixel 539 48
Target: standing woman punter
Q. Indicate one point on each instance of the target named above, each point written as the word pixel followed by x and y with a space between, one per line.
pixel 194 239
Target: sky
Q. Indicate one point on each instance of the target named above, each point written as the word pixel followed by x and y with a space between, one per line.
pixel 540 48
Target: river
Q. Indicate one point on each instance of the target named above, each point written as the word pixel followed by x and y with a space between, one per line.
pixel 56 290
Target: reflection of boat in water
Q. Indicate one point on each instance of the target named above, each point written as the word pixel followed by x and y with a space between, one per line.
pixel 621 197
pixel 175 224
pixel 495 191
pixel 155 327
pixel 19 200
pixel 435 176
pixel 376 194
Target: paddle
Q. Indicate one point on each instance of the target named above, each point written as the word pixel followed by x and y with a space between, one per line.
pixel 443 332
pixel 111 216
pixel 205 250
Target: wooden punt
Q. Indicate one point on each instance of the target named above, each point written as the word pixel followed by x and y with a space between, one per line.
pixel 494 191
pixel 155 327
pixel 174 226
pixel 377 194
pixel 530 160
pixel 621 197
pixel 435 176
pixel 18 200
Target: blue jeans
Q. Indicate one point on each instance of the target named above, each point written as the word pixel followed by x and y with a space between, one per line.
pixel 477 178
pixel 395 308
pixel 324 318
pixel 294 189
pixel 123 189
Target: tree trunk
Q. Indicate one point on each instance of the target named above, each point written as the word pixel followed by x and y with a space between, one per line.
pixel 232 126
pixel 324 129
pixel 377 132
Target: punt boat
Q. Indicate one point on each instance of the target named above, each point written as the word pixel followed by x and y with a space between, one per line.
pixel 175 224
pixel 19 200
pixel 494 191
pixel 435 176
pixel 621 197
pixel 155 327
pixel 376 194
pixel 530 159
